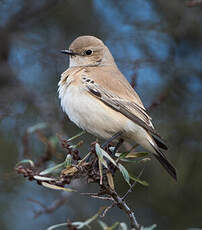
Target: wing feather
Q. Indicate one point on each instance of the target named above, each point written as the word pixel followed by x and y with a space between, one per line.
pixel 130 109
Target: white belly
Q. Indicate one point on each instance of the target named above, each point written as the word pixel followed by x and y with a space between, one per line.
pixel 95 117
pixel 90 114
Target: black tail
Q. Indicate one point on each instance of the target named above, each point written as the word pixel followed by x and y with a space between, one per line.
pixel 160 143
pixel 165 163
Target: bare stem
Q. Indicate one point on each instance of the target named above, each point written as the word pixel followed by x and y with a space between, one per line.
pixel 123 206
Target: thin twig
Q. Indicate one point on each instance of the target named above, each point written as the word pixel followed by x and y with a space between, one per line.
pixel 97 196
pixel 51 208
pixel 193 3
pixel 107 209
pixel 123 206
pixel 133 185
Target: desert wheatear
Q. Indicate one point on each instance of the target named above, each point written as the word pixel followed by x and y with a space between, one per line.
pixel 99 99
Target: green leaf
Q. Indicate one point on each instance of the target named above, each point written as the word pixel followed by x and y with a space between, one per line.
pixel 110 180
pixel 121 155
pixel 105 227
pixel 131 155
pixel 56 187
pixel 100 170
pixel 36 127
pixel 56 168
pixel 100 155
pixel 123 226
pixel 102 224
pixel 137 154
pixel 86 223
pixel 78 224
pixel 150 228
pixel 26 161
pixel 53 169
pixel 142 182
pixel 57 226
pixel 144 160
pixel 43 178
pixel 125 173
pixel 76 136
pixel 76 145
pixel 68 161
pixel 130 160
pixel 103 153
pixel 112 148
pixel 113 226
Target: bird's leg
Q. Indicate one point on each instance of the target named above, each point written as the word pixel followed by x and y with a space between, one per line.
pixel 111 139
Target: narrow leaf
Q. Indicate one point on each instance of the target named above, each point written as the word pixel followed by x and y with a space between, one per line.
pixel 123 226
pixel 150 228
pixel 56 187
pixel 100 170
pixel 103 153
pixel 108 157
pixel 57 226
pixel 112 148
pixel 135 160
pixel 26 161
pixel 77 145
pixel 125 173
pixel 131 155
pixel 43 178
pixel 90 220
pixel 70 170
pixel 79 224
pixel 100 155
pixel 121 155
pixel 86 223
pixel 68 160
pixel 110 180
pixel 34 128
pixel 102 224
pixel 53 169
pixel 76 136
pixel 137 154
pixel 113 226
pixel 142 182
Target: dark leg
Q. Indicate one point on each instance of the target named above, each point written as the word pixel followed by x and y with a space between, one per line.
pixel 111 139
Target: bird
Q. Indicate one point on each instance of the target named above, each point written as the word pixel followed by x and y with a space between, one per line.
pixel 98 98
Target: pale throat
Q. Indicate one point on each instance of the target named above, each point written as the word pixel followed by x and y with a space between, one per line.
pixel 74 62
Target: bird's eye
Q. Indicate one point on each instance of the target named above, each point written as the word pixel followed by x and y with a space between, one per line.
pixel 88 52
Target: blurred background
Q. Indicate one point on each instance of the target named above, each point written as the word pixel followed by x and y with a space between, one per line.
pixel 158 46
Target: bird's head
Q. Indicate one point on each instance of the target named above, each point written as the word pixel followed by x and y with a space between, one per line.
pixel 88 51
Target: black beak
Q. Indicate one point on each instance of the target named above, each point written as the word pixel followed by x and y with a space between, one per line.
pixel 68 52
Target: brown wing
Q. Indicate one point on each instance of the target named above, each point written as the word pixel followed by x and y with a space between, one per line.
pixel 130 109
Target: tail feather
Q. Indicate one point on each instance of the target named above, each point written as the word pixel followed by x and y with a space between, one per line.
pixel 165 163
pixel 160 143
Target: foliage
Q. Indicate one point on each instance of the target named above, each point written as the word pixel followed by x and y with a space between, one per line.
pixel 96 167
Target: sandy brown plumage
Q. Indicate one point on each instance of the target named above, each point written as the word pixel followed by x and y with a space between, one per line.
pixel 99 99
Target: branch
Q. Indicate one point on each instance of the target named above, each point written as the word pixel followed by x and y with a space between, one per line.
pixel 28 12
pixel 123 206
pixel 52 207
pixel 193 3
pixel 88 168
